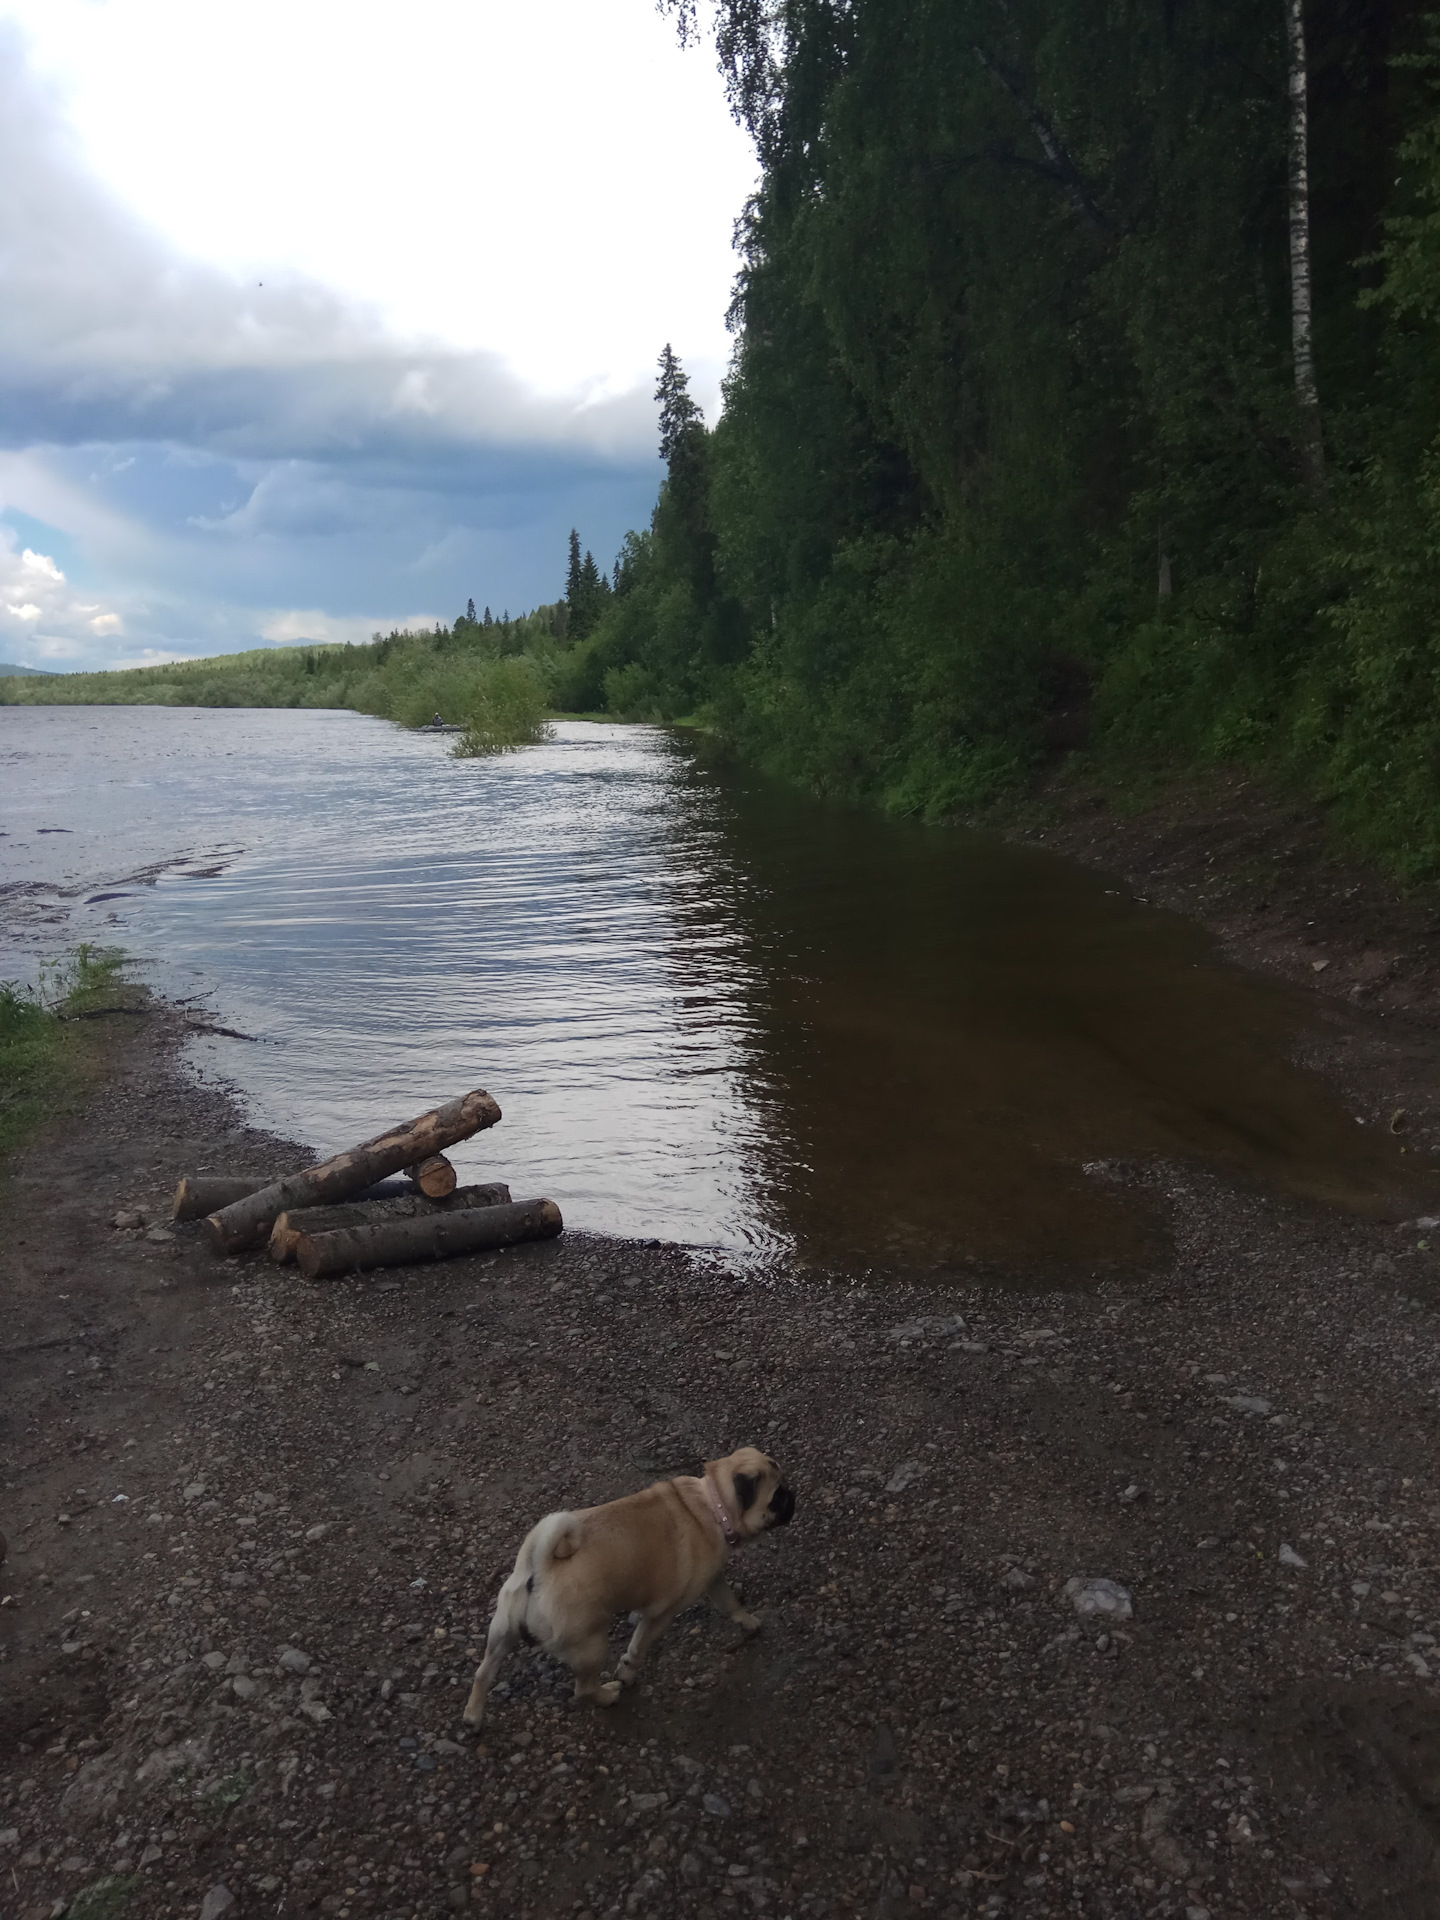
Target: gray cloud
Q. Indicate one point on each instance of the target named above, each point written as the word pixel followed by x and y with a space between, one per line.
pixel 217 453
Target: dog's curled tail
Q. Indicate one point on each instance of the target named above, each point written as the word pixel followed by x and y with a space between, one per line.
pixel 555 1537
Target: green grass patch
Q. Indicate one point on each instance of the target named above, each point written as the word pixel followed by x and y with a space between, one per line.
pixel 49 1046
pixel 104 1898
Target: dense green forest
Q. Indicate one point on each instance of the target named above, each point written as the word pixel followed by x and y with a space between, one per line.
pixel 1029 435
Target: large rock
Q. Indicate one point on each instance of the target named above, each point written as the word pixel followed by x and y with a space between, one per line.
pixel 93 1797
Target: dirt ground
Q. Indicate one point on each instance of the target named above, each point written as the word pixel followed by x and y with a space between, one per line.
pixel 255 1527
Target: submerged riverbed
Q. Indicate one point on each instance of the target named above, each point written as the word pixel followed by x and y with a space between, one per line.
pixel 712 1010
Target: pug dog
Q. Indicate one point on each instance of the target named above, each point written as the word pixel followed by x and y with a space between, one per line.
pixel 650 1555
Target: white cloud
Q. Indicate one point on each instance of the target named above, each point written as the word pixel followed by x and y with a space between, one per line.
pixel 33 588
pixel 40 564
pixel 195 463
pixel 295 626
pixel 149 657
pixel 554 183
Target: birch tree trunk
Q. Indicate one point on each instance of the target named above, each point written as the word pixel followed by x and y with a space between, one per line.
pixel 1307 395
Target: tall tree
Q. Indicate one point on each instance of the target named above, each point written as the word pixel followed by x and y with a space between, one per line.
pixel 470 611
pixel 680 418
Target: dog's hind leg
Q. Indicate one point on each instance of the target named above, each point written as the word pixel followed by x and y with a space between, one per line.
pixel 723 1597
pixel 641 1641
pixel 585 1662
pixel 501 1642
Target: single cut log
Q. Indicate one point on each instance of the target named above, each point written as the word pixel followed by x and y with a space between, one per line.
pixel 248 1222
pixel 367 1213
pixel 435 1236
pixel 199 1194
pixel 434 1177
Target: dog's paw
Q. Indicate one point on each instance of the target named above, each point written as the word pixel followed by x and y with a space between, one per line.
pixel 626 1674
pixel 749 1622
pixel 608 1694
pixel 472 1717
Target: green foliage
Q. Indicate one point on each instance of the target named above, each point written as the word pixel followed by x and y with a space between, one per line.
pixel 41 1052
pixel 501 709
pixel 461 673
pixel 1011 431
pixel 586 591
pixel 105 1898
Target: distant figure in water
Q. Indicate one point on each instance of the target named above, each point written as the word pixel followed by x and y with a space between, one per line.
pixel 437 721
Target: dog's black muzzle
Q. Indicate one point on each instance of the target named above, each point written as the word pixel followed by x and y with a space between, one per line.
pixel 782 1506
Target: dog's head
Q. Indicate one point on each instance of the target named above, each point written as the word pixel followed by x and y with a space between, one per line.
pixel 754 1489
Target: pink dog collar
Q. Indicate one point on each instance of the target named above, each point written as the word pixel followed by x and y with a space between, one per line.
pixel 717 1507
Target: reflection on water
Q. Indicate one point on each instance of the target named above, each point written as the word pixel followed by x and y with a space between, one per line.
pixel 712 1010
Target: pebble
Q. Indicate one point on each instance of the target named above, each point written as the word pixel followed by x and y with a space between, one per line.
pixel 716 1804
pixel 905 1475
pixel 937 1326
pixel 217 1903
pixel 1099 1596
pixel 1288 1557
pixel 292 1660
pixel 1247 1403
pixel 128 1218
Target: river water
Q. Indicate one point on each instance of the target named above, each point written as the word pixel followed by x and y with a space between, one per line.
pixel 712 1010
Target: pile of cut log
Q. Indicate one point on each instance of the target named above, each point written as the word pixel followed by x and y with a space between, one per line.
pixel 346 1214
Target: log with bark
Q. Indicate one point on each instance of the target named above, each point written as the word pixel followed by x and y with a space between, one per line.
pixel 248 1222
pixel 365 1213
pixel 202 1193
pixel 434 1177
pixel 434 1236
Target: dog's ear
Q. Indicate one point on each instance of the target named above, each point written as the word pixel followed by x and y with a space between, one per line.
pixel 745 1484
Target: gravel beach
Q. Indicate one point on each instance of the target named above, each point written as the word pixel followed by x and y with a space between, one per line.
pixel 256 1526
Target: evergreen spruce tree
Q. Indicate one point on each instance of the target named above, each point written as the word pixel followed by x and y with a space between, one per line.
pixel 470 611
pixel 680 418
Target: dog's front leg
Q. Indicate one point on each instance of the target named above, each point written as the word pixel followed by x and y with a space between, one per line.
pixel 641 1641
pixel 723 1597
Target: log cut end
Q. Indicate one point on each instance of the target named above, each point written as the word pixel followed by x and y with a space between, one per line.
pixel 199 1194
pixel 434 1177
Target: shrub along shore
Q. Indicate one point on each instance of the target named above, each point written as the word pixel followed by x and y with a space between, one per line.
pixel 493 681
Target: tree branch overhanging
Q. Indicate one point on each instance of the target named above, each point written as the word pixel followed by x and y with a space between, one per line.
pixel 1063 167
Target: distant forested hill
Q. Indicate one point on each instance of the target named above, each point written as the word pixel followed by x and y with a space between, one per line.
pixel 9 670
pixel 1087 376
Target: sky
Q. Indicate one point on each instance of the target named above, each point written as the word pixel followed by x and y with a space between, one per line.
pixel 319 317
